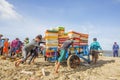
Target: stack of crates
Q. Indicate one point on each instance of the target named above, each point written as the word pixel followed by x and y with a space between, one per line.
pixel 56 37
pixel 63 38
pixel 51 38
pixel 83 39
pixel 76 42
pixel 76 37
pixel 61 31
pixel 80 42
pixel 84 43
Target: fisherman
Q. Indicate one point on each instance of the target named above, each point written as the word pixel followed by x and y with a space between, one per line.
pixel 115 49
pixel 63 49
pixel 94 50
pixel 27 48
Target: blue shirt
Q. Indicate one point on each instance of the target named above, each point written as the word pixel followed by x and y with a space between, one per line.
pixel 1 43
pixel 115 47
pixel 95 46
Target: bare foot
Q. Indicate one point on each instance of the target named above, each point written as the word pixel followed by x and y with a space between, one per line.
pixel 33 62
pixel 56 72
pixel 16 64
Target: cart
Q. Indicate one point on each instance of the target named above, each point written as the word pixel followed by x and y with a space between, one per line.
pixel 74 54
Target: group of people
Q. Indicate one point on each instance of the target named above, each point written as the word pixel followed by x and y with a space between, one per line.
pixel 11 48
pixel 95 48
pixel 31 49
pixel 18 48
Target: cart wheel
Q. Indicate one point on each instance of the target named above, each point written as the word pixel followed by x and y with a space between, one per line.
pixel 73 61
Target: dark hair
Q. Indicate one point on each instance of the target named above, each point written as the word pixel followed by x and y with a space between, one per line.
pixel 94 39
pixel 17 38
pixel 27 38
pixel 39 37
pixel 7 38
pixel 1 35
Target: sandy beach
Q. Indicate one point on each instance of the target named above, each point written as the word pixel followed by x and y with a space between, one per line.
pixel 107 68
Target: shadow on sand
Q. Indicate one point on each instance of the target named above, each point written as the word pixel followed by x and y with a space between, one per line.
pixel 83 67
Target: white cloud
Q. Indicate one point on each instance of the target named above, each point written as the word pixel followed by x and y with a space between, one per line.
pixel 7 11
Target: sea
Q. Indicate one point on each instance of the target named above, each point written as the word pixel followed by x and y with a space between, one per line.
pixel 109 53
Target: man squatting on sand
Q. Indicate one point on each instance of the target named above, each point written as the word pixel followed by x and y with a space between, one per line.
pixel 27 48
pixel 63 50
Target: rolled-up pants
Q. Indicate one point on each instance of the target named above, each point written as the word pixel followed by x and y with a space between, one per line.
pixel 25 54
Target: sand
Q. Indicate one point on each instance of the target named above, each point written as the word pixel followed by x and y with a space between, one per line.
pixel 107 68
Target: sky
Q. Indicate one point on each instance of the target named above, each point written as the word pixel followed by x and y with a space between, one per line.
pixel 28 18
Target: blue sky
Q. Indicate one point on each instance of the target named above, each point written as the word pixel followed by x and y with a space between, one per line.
pixel 27 18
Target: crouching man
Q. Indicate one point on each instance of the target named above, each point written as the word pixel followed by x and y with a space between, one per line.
pixel 27 48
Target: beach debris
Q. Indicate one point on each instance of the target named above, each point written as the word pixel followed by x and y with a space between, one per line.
pixel 100 54
pixel 112 78
pixel 43 72
pixel 27 72
pixel 39 74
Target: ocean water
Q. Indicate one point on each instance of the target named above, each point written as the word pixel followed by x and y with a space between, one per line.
pixel 109 53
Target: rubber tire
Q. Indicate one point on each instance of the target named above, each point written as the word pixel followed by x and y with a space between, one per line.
pixel 71 63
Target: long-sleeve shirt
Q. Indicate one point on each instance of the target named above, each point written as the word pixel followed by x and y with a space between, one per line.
pixel 14 43
pixel 95 46
pixel 67 44
pixel 115 47
pixel 1 43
